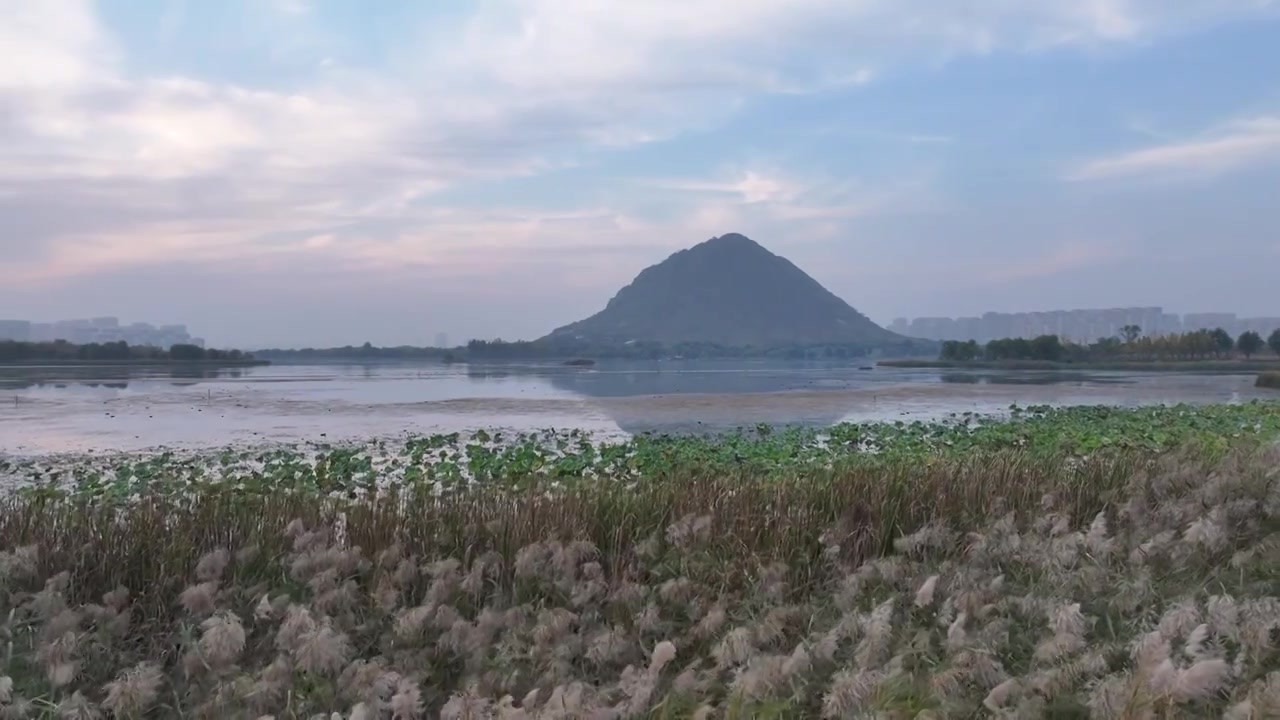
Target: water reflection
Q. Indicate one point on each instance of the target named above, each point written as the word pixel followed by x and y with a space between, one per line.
pixel 1032 378
pixel 58 408
pixel 22 378
pixel 711 396
pixel 710 378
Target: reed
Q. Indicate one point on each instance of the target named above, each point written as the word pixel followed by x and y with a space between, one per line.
pixel 150 542
pixel 1001 585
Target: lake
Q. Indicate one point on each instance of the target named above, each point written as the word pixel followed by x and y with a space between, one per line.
pixel 50 410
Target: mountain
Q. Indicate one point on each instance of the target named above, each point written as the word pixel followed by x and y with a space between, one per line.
pixel 730 291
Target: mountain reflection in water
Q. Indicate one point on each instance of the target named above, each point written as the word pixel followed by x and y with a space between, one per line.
pixel 68 408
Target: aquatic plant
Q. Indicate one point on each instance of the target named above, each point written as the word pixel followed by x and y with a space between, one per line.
pixel 495 462
pixel 1115 587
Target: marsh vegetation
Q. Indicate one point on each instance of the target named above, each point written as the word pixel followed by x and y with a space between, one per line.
pixel 1087 562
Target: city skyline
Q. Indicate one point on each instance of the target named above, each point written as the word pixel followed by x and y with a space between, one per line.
pixel 108 328
pixel 1081 325
pixel 1092 324
pixel 283 171
pixel 100 329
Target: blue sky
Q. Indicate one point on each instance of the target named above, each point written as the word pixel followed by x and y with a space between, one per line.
pixel 291 172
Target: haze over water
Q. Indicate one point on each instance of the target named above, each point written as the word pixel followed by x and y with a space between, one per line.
pixel 50 410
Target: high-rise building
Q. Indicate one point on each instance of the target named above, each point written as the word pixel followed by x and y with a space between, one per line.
pixel 1169 324
pixel 442 340
pixel 97 330
pixel 1209 321
pixel 1264 326
pixel 19 330
pixel 1080 326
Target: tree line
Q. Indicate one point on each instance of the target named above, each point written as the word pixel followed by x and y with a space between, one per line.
pixel 564 349
pixel 1131 345
pixel 13 351
pixel 558 349
pixel 367 351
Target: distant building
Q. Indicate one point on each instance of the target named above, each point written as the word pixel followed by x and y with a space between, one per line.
pixel 1081 326
pixel 1264 326
pixel 19 330
pixel 1209 321
pixel 98 330
pixel 442 340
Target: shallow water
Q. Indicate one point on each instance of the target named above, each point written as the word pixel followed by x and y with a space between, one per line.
pixel 44 410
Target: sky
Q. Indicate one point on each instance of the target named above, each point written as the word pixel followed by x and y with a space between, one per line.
pixel 280 173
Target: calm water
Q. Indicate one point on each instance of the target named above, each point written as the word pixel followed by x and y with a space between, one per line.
pixel 76 409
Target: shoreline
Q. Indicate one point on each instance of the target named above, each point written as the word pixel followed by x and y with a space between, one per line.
pixel 185 417
pixel 134 364
pixel 490 434
pixel 1202 366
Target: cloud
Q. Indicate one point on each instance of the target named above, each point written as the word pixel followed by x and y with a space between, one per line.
pixel 1058 260
pixel 750 187
pixel 292 7
pixel 51 46
pixel 780 196
pixel 106 163
pixel 1239 145
pixel 927 139
pixel 549 45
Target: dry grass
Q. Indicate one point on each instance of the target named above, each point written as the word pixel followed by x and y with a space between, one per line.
pixel 1269 380
pixel 151 543
pixel 995 587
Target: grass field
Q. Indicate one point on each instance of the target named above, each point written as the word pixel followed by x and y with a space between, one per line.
pixel 900 578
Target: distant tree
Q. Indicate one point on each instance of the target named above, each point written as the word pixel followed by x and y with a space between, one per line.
pixel 1106 347
pixel 1274 341
pixel 186 352
pixel 1249 343
pixel 1130 333
pixel 963 351
pixel 999 349
pixel 1046 347
pixel 1204 342
pixel 1222 341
